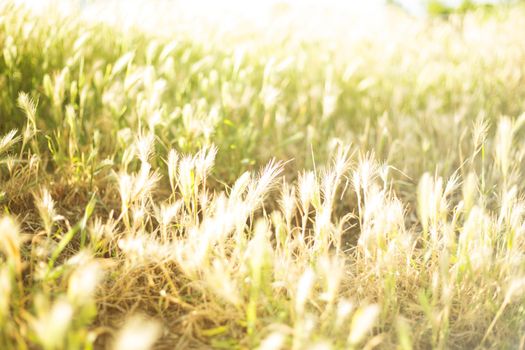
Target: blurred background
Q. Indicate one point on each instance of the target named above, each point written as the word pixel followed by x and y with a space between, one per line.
pixel 247 10
pixel 330 20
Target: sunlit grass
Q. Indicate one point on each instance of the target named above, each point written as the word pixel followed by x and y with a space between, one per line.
pixel 175 189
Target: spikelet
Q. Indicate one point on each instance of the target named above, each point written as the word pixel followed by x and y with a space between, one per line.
pixel 240 186
pixel 186 178
pixel 331 271
pixel 52 323
pixel 138 333
pixel 5 292
pixel 28 105
pixel 288 202
pixel 304 290
pixel 204 160
pixel 46 208
pixel 173 159
pixel 10 241
pixel 308 192
pixel 144 147
pixel 220 281
pixel 8 140
pixel 362 323
pixel 83 283
pixel 344 309
pixel 262 184
pixel 274 341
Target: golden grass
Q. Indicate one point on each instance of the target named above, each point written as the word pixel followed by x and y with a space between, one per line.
pixel 171 192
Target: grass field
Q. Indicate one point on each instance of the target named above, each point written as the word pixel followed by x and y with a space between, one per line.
pixel 281 187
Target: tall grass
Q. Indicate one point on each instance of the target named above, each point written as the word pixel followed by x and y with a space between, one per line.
pixel 162 190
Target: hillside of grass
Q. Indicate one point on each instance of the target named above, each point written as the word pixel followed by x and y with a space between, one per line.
pixel 273 190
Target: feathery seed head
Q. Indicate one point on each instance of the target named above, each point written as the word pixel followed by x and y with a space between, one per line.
pixel 138 333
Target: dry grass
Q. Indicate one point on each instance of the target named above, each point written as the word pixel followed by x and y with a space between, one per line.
pixel 148 199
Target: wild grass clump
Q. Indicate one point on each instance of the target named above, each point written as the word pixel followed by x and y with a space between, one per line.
pixel 163 191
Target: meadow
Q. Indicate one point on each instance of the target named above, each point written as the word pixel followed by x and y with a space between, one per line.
pixel 266 189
